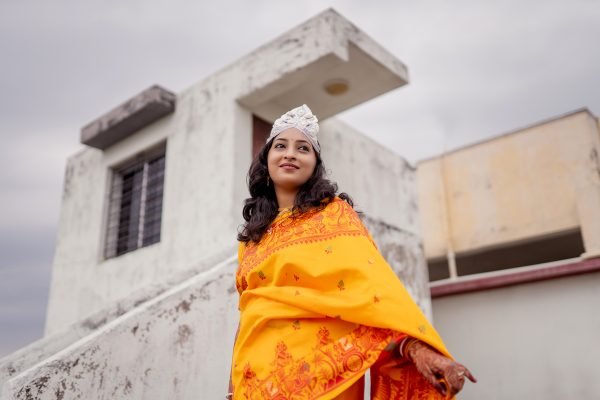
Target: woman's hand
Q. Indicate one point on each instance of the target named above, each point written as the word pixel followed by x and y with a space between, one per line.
pixel 435 366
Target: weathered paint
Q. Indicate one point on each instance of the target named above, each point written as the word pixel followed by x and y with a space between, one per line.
pixel 208 152
pixel 382 183
pixel 530 183
pixel 178 344
pixel 44 348
pixel 129 117
pixel 113 329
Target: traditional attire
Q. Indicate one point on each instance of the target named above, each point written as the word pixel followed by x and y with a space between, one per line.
pixel 319 306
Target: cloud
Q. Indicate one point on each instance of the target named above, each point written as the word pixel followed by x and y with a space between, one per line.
pixel 24 282
pixel 477 69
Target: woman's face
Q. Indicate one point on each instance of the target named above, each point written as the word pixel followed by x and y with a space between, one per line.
pixel 293 148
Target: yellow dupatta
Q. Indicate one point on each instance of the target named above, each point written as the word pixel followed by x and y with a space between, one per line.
pixel 318 307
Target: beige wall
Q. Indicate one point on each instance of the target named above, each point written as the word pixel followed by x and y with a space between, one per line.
pixel 529 341
pixel 530 183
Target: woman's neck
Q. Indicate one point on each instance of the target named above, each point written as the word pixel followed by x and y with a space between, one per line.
pixel 285 199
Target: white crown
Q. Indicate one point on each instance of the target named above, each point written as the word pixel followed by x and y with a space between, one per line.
pixel 302 119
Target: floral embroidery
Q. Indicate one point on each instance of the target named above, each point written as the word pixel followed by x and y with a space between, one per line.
pixel 301 355
pixel 336 219
pixel 422 328
pixel 248 373
pixel 331 363
pixel 282 354
pixel 328 249
pixel 323 335
pixel 305 367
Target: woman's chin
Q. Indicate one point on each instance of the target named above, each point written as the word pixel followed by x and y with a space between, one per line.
pixel 288 184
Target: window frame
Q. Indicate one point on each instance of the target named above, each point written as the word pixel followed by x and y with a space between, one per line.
pixel 141 161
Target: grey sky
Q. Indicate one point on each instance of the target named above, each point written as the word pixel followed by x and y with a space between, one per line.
pixel 477 69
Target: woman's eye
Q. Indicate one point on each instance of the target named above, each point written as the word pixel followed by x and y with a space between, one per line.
pixel 304 147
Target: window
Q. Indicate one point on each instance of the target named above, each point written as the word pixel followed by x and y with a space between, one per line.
pixel 135 205
pixel 261 130
pixel 538 250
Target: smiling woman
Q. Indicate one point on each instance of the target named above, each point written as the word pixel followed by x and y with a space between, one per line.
pixel 291 161
pixel 287 173
pixel 319 305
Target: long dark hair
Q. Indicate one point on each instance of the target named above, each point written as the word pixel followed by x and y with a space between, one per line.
pixel 261 208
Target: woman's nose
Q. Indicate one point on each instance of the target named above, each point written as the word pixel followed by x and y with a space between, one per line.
pixel 290 153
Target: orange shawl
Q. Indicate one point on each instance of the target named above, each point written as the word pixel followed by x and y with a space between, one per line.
pixel 318 307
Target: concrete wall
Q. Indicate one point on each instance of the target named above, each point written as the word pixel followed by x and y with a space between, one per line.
pixel 46 347
pixel 208 152
pixel 382 183
pixel 498 191
pixel 530 341
pixel 201 203
pixel 176 345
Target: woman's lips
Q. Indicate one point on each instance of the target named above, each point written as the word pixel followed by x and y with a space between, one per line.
pixel 288 167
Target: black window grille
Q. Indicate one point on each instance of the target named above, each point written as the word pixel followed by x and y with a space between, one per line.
pixel 135 206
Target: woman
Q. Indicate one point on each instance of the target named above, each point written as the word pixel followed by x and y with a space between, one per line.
pixel 318 303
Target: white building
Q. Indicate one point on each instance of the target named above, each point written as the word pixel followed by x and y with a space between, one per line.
pixel 142 301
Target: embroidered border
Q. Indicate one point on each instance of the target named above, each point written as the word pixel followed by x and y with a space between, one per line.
pixel 330 364
pixel 338 218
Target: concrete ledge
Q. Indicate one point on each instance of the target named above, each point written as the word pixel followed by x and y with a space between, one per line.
pixel 296 67
pixel 161 349
pixel 40 350
pixel 128 118
pixel 513 276
pixel 160 342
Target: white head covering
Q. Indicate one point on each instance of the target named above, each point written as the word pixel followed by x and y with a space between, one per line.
pixel 302 119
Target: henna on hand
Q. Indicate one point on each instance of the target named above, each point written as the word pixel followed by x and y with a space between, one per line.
pixel 437 368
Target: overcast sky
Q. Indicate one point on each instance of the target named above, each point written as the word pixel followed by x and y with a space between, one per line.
pixel 477 69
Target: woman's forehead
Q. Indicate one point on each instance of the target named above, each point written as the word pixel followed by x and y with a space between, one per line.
pixel 292 134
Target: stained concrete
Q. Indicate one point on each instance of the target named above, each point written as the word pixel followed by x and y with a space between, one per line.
pixel 208 141
pixel 162 349
pixel 128 118
pixel 175 345
pixel 46 347
pixel 132 341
